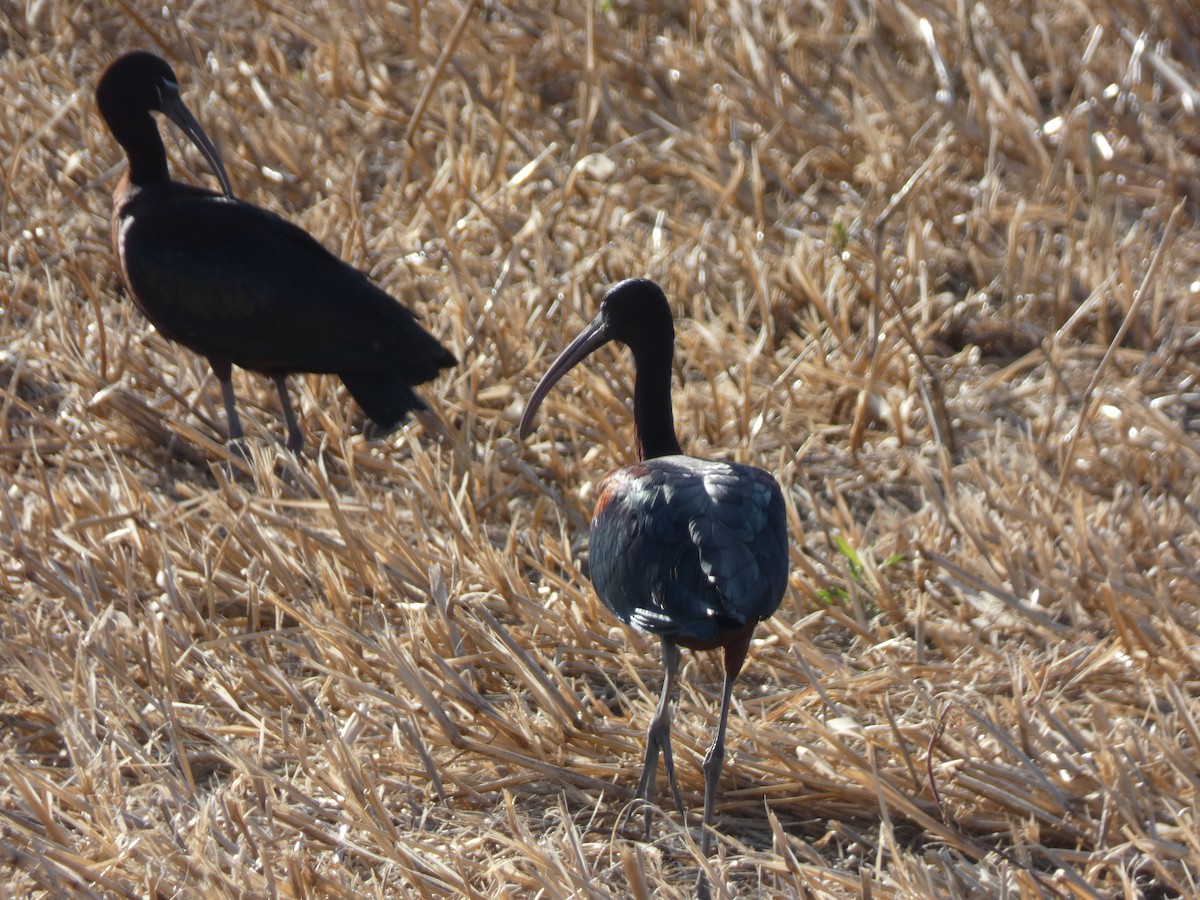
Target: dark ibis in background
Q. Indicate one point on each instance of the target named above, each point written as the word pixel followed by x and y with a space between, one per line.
pixel 692 550
pixel 239 284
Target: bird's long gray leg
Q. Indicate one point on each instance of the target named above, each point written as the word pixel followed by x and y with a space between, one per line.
pixel 714 759
pixel 231 413
pixel 658 736
pixel 295 438
pixel 223 369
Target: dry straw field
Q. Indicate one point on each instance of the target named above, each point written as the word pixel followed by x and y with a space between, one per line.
pixel 935 266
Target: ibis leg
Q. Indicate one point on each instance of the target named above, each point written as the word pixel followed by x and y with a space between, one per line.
pixel 658 737
pixel 714 759
pixel 231 413
pixel 295 438
pixel 223 369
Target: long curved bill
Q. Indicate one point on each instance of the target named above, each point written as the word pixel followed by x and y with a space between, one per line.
pixel 595 335
pixel 176 110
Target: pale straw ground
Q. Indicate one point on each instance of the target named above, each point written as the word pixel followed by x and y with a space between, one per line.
pixel 935 266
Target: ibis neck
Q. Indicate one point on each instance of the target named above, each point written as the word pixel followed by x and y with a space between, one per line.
pixel 143 145
pixel 653 423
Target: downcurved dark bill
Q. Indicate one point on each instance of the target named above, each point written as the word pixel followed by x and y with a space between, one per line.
pixel 176 110
pixel 595 335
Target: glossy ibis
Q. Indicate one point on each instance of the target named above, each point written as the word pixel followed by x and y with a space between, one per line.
pixel 239 284
pixel 691 550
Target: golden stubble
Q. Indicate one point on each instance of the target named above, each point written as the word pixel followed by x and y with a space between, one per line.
pixel 934 265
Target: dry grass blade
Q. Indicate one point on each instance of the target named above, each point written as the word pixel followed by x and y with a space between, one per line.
pixel 934 264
